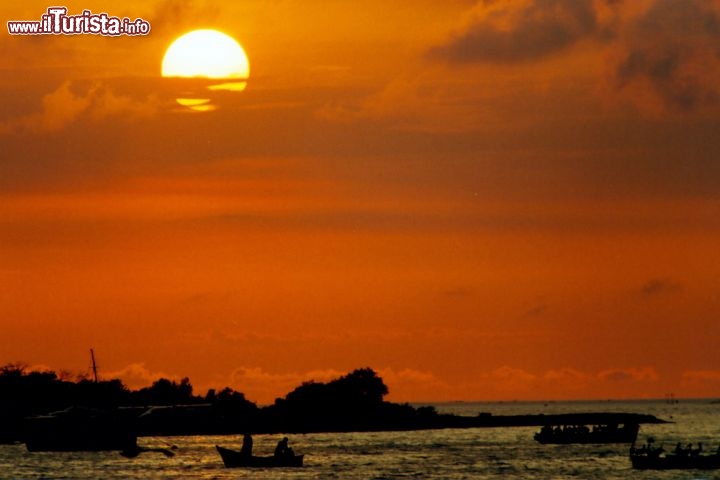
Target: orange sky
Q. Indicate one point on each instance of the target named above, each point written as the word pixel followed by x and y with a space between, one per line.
pixel 508 199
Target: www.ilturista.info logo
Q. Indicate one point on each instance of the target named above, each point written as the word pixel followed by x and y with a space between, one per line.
pixel 57 22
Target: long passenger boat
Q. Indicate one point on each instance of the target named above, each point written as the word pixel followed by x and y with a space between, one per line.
pixel 566 434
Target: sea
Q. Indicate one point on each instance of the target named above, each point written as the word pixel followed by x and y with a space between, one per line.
pixel 476 453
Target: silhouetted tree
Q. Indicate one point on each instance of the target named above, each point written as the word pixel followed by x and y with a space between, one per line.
pixel 352 402
pixel 167 392
pixel 363 386
pixel 341 404
pixel 233 411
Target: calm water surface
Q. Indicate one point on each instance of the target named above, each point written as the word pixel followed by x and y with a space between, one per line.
pixel 442 454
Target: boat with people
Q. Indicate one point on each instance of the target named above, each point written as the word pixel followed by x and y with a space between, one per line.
pixel 687 458
pixel 234 459
pixel 567 434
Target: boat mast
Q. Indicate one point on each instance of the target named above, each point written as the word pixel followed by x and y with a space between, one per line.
pixel 94 365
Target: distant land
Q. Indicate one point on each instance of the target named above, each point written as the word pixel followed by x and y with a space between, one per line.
pixel 354 402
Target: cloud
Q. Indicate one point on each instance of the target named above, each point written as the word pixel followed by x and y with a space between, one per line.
pixel 660 55
pixel 565 375
pixel 257 384
pixel 509 379
pixel 172 16
pixel 660 286
pixel 511 382
pixel 262 386
pixel 645 374
pixel 137 375
pixel 416 384
pixel 672 51
pixel 506 31
pixel 701 378
pixel 536 311
pixel 70 103
pixel 59 108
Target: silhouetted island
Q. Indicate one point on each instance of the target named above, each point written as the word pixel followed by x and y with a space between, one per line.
pixel 30 402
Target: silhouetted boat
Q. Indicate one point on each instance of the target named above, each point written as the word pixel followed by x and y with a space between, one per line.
pixel 233 459
pixel 567 434
pixel 80 429
pixel 675 462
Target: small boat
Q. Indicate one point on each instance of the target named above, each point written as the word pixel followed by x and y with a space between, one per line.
pixel 567 434
pixel 672 461
pixel 234 459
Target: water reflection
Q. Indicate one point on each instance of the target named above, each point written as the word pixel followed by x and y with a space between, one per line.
pixel 202 94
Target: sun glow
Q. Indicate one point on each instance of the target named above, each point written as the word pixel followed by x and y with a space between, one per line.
pixel 206 54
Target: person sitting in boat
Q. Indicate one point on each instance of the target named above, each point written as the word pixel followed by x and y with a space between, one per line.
pixel 698 451
pixel 652 450
pixel 281 447
pixel 247 446
pixel 283 450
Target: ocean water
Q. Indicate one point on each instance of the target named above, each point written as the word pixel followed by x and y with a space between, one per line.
pixel 481 453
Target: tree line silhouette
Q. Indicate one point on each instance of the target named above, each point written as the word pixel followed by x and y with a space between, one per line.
pixel 354 402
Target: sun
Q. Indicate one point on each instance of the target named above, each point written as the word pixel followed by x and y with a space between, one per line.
pixel 206 54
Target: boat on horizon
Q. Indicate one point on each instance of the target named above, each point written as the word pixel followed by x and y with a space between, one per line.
pixel 567 434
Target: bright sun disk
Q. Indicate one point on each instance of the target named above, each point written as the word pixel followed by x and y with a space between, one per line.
pixel 205 53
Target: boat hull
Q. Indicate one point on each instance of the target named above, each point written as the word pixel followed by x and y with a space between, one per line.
pixel 234 459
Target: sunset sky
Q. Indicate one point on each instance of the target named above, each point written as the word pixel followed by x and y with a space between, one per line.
pixel 479 199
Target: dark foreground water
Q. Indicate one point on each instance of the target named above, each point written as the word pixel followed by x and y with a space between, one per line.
pixel 508 453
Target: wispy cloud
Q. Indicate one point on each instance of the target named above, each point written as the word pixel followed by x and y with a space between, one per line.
pixel 672 50
pixel 138 375
pixel 69 103
pixel 646 374
pixel 661 55
pixel 536 311
pixel 512 382
pixel 264 386
pixel 510 31
pixel 701 378
pixel 172 16
pixel 660 286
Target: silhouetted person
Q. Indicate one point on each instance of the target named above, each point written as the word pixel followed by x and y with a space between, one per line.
pixel 698 451
pixel 282 448
pixel 654 451
pixel 247 445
